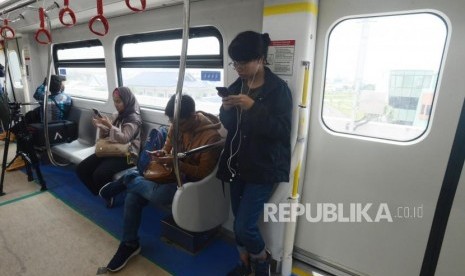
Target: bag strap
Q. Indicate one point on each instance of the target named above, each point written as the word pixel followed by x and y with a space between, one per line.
pixel 56 104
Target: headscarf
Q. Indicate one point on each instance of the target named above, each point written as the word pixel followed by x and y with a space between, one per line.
pixel 131 112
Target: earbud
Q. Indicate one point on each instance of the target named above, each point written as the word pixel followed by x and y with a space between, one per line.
pixel 260 61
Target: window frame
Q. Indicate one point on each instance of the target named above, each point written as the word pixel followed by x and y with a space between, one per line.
pixel 80 63
pixel 193 61
pixel 77 63
pixel 435 87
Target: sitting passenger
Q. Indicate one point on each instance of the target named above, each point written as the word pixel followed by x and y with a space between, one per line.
pixel 59 102
pixel 195 130
pixel 95 171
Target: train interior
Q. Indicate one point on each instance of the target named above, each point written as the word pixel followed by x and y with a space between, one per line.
pixel 378 120
pixel 65 230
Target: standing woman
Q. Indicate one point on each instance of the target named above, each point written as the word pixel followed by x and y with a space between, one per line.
pixel 95 171
pixel 257 153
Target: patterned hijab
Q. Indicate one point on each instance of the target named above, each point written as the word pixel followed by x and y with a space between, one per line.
pixel 131 112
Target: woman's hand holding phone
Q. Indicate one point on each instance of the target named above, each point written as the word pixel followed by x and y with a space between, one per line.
pixel 97 113
pixel 161 156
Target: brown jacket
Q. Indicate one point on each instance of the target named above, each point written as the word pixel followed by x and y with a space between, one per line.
pixel 201 130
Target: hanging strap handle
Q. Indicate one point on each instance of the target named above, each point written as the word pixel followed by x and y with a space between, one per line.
pixel 142 3
pixel 5 30
pixel 66 10
pixel 42 29
pixel 101 18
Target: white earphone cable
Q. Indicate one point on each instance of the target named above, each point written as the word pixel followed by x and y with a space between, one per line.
pixel 238 131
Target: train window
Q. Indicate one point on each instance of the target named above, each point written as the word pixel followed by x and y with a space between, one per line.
pixel 148 64
pixel 83 64
pixel 381 75
pixel 15 69
pixel 172 47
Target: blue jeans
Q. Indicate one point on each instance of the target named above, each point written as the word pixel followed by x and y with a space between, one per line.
pixel 247 200
pixel 139 193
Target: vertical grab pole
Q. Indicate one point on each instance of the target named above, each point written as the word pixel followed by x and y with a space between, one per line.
pixel 179 86
pixel 289 230
pixel 45 102
pixel 7 137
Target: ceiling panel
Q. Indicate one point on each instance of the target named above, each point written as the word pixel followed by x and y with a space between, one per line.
pixel 25 17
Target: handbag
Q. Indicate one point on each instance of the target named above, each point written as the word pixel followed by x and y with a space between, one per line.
pixel 155 141
pixel 105 148
pixel 159 173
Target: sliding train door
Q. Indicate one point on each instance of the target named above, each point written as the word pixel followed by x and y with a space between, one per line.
pixel 387 96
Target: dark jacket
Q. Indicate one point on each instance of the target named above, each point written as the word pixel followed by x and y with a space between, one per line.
pixel 264 155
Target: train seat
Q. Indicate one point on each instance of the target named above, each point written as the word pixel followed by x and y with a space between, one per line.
pixel 202 205
pixel 84 146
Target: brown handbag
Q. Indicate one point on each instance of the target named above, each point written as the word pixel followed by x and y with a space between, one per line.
pixel 105 148
pixel 159 173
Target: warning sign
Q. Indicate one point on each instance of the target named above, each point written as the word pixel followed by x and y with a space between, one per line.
pixel 281 56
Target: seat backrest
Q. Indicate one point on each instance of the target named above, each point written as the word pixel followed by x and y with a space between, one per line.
pixel 87 132
pixel 202 205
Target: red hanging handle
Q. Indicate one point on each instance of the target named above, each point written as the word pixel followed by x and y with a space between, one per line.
pixel 142 3
pixel 42 29
pixel 66 10
pixel 5 29
pixel 101 18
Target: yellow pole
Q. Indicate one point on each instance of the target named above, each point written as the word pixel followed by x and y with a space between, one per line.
pixel 302 121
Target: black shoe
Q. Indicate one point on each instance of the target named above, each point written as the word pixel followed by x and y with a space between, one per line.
pixel 262 267
pixel 110 190
pixel 122 256
pixel 240 270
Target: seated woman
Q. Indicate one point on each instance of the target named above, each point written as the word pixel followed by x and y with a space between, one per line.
pixel 195 129
pixel 59 103
pixel 95 171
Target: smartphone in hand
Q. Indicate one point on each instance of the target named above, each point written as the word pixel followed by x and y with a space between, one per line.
pixel 157 153
pixel 97 113
pixel 223 91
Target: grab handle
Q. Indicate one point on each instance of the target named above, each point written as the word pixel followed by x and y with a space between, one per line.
pixel 5 30
pixel 142 3
pixel 67 11
pixel 100 17
pixel 42 29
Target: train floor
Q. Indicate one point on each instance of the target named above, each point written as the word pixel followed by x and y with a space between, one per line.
pixel 68 231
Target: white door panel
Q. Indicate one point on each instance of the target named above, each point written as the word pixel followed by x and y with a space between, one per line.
pixel 405 177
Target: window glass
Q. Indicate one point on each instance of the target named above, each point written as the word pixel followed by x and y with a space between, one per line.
pixel 92 52
pixel 83 65
pixel 381 75
pixel 172 47
pixel 88 83
pixel 148 64
pixel 153 87
pixel 15 69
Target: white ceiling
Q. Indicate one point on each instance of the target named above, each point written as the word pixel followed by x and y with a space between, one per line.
pixel 84 10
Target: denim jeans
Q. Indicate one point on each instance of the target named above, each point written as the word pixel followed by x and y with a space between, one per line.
pixel 247 200
pixel 139 193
